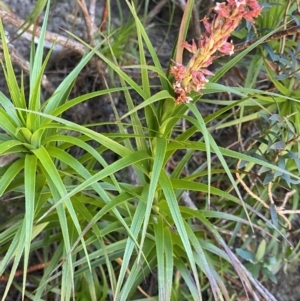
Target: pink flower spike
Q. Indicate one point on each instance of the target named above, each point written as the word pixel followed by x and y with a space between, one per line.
pixel 222 10
pixel 254 5
pixel 207 72
pixel 237 3
pixel 183 98
pixel 178 71
pixel 249 15
pixel 227 48
pixel 193 76
pixel 191 48
pixel 206 25
pixel 199 80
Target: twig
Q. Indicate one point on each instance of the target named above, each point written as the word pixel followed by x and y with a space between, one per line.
pixel 279 210
pixel 31 269
pixel 157 8
pixel 50 36
pixel 92 10
pixel 275 36
pixel 196 18
pixel 104 16
pixel 285 21
pixel 90 25
pixel 188 202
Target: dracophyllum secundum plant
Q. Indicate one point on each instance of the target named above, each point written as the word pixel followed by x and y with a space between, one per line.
pixel 162 192
pixel 44 173
pixel 103 225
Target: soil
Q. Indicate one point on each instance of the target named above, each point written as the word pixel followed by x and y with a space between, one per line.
pixel 65 15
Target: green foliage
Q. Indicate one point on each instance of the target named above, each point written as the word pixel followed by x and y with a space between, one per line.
pixel 102 236
pixel 258 262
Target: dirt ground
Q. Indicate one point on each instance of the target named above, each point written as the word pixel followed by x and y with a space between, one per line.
pixel 65 16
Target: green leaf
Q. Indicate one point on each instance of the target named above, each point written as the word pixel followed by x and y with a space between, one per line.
pixel 148 101
pixel 203 264
pixel 170 196
pixel 279 145
pixel 164 254
pixel 253 269
pixel 75 101
pixel 159 149
pixel 9 109
pixel 269 274
pixel 14 253
pixel 58 190
pixel 36 61
pixel 247 255
pixel 188 280
pixel 261 250
pixel 209 142
pixel 135 229
pixel 268 178
pixel 13 170
pixel 274 215
pixel 59 97
pixel 10 77
pixel 33 16
pixel 11 146
pixel 24 134
pixel 7 124
pixel 29 186
pixel 175 145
